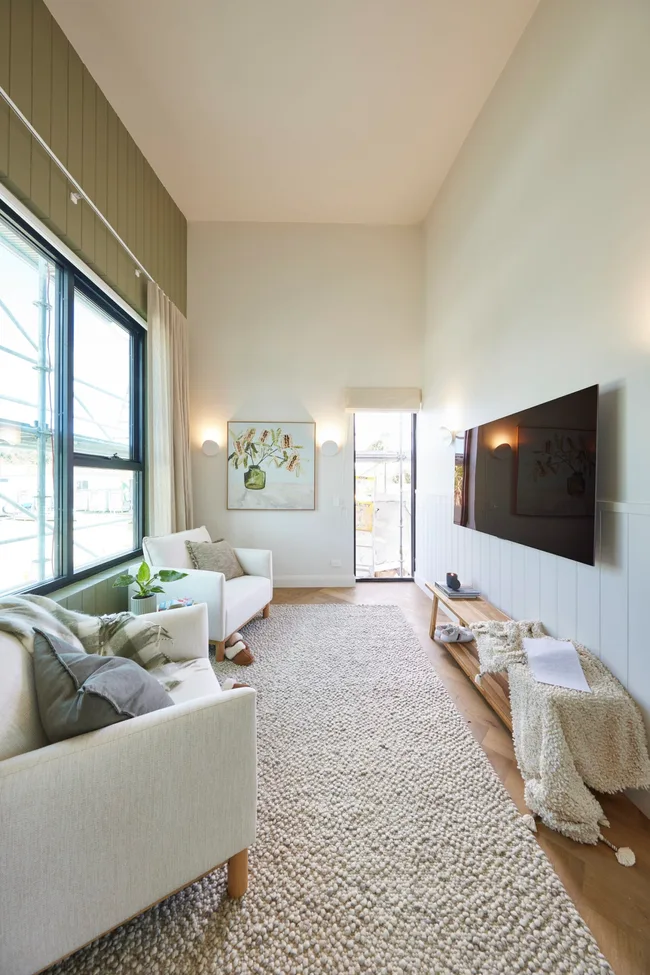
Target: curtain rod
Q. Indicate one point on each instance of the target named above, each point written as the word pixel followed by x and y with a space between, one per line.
pixel 79 190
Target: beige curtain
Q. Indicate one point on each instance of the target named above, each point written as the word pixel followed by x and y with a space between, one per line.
pixel 169 478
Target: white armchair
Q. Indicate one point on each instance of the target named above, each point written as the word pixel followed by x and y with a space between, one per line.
pixel 231 603
pixel 96 829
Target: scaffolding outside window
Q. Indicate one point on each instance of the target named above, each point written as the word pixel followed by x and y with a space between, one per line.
pixel 384 492
pixel 71 439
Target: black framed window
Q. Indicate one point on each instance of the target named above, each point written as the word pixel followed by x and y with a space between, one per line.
pixel 71 419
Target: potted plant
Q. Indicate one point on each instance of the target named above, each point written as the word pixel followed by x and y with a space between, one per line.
pixel 144 599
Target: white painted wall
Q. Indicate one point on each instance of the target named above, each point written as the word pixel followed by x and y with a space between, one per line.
pixel 283 318
pixel 538 283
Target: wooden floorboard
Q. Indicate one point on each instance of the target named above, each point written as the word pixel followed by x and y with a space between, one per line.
pixel 613 900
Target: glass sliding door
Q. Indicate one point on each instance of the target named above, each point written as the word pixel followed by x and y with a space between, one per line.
pixel 384 493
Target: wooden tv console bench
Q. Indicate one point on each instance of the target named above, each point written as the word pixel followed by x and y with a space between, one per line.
pixel 493 687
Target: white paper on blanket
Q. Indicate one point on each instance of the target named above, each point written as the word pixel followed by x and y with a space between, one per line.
pixel 555 662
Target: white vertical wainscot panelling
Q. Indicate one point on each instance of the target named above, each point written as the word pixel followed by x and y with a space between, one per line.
pixel 453 560
pixel 484 563
pixel 638 580
pixel 604 607
pixel 505 585
pixel 475 571
pixel 567 607
pixel 494 579
pixel 588 607
pixel 614 592
pixel 464 554
pixel 518 564
pixel 454 552
pixel 532 603
pixel 548 591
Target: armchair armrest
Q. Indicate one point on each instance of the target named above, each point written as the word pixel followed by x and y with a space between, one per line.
pixel 165 797
pixel 188 628
pixel 202 587
pixel 256 562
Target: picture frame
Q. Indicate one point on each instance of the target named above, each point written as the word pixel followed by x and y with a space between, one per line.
pixel 555 472
pixel 271 465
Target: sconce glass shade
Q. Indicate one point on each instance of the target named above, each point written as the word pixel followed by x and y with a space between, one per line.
pixel 447 436
pixel 210 448
pixel 502 451
pixel 329 448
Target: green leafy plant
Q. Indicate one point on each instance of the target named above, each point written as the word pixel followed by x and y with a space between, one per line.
pixel 271 446
pixel 147 584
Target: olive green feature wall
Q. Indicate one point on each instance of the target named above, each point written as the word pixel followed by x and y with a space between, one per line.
pixel 44 76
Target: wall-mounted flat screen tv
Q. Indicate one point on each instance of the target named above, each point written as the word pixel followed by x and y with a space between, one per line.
pixel 531 477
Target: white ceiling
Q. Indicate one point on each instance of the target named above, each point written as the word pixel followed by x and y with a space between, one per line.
pixel 323 111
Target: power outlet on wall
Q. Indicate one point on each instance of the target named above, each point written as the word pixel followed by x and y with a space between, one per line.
pixel 335 563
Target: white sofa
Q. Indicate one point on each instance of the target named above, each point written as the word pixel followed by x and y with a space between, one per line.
pixel 230 604
pixel 97 828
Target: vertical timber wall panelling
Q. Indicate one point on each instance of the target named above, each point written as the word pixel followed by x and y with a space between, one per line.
pixel 43 74
pixel 94 597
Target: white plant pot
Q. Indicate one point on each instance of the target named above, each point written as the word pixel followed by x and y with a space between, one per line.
pixel 141 606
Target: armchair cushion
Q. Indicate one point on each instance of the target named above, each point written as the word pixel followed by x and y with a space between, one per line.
pixel 188 629
pixel 170 549
pixel 79 692
pixel 215 557
pixel 189 680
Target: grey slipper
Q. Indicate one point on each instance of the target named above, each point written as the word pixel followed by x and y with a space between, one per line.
pixel 451 633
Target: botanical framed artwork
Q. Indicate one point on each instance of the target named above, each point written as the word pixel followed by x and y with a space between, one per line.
pixel 271 465
pixel 556 471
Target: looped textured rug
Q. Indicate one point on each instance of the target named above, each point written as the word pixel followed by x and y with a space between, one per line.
pixel 386 843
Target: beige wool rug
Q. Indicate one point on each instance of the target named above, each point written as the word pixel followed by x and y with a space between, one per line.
pixel 386 844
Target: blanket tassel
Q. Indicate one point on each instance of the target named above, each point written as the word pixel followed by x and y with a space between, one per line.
pixel 624 854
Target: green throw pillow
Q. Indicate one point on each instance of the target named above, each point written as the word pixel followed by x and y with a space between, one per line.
pixel 80 692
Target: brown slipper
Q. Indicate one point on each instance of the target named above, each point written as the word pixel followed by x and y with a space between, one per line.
pixel 244 658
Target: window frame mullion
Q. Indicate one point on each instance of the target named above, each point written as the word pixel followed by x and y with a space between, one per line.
pixel 66 372
pixel 68 280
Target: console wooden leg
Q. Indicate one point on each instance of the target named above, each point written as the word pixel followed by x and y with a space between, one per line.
pixel 266 612
pixel 238 874
pixel 220 650
pixel 434 616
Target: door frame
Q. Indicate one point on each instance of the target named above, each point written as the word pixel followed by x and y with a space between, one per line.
pixel 414 468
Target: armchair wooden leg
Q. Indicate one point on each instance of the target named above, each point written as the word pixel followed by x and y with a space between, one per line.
pixel 266 612
pixel 238 874
pixel 220 650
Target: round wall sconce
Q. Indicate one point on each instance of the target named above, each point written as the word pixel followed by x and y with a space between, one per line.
pixel 210 448
pixel 502 451
pixel 447 436
pixel 329 448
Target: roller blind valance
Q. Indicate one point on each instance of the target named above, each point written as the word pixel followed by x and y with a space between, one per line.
pixel 404 399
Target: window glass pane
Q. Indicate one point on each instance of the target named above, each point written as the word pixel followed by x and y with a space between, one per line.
pixel 28 520
pixel 103 515
pixel 102 382
pixel 383 495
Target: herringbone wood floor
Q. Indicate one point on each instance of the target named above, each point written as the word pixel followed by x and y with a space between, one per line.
pixel 613 900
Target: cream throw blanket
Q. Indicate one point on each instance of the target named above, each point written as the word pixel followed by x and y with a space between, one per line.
pixel 567 742
pixel 117 634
